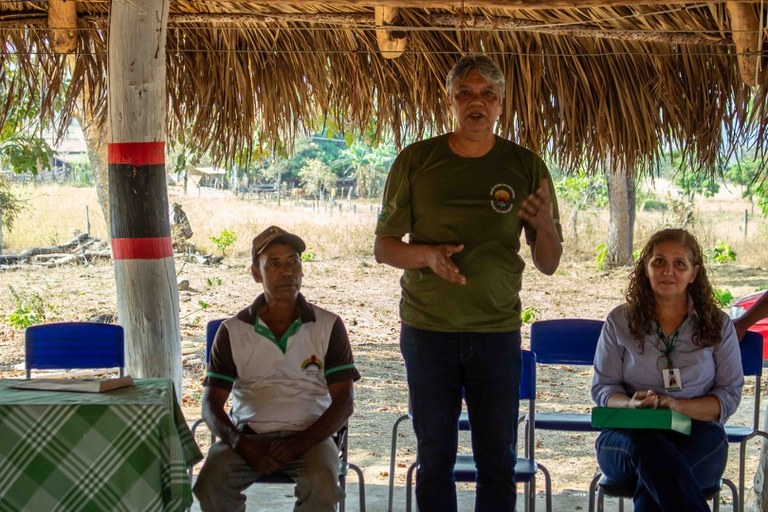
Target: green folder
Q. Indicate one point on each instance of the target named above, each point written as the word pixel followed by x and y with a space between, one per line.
pixel 663 419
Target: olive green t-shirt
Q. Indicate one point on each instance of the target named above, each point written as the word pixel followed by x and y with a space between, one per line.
pixel 438 197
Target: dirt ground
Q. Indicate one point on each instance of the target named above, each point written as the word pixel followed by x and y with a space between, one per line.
pixel 366 295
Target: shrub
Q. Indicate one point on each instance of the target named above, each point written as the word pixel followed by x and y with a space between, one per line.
pixel 529 314
pixel 723 298
pixel 29 309
pixel 720 253
pixel 602 253
pixel 224 240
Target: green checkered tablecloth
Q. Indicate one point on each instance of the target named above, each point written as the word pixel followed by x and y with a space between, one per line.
pixel 124 450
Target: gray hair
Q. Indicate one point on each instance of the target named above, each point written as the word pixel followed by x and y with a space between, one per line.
pixel 485 66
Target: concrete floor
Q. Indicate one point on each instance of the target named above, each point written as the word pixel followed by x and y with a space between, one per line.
pixel 278 498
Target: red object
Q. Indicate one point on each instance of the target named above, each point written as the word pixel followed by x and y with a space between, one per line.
pixel 761 326
pixel 136 153
pixel 142 248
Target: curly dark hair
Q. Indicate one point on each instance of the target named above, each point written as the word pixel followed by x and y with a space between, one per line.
pixel 641 303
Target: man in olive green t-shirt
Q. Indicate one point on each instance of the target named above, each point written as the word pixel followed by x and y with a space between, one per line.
pixel 464 198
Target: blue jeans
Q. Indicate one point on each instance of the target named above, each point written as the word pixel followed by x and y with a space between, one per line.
pixel 487 367
pixel 670 469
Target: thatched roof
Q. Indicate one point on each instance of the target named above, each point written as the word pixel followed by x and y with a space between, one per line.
pixel 586 80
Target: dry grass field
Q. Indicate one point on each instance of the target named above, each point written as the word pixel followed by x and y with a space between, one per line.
pixel 344 278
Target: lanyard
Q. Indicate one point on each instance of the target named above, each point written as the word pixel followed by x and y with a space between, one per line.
pixel 670 343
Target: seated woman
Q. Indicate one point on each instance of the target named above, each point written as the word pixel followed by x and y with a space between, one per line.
pixel 668 347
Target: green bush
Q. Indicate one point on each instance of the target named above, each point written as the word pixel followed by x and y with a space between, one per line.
pixel 602 252
pixel 309 254
pixel 530 314
pixel 224 240
pixel 723 298
pixel 655 204
pixel 720 253
pixel 29 309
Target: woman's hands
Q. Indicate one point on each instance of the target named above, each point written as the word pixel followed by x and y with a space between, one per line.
pixel 644 400
pixel 650 400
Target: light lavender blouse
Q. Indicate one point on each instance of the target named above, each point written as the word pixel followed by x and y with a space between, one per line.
pixel 620 366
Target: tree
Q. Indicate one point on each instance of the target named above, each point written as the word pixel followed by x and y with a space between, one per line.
pixel 621 205
pixel 22 154
pixel 368 165
pixel 692 184
pixel 316 177
pixel 580 191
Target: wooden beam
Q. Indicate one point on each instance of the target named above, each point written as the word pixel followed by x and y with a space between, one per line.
pixel 62 23
pixel 745 28
pixel 364 21
pixel 480 4
pixel 391 45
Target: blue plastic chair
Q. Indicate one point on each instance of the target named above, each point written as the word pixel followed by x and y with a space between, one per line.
pixel 340 438
pixel 751 348
pixel 752 364
pixel 74 345
pixel 570 341
pixel 526 468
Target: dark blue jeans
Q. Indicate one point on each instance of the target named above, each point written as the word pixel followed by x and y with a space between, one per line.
pixel 487 367
pixel 670 469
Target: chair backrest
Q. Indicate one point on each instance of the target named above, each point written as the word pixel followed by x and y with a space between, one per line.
pixel 528 376
pixel 565 341
pixel 751 347
pixel 210 334
pixel 528 392
pixel 74 345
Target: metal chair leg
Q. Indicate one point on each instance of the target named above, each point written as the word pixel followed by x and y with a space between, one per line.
pixel 734 493
pixel 392 455
pixel 600 500
pixel 408 486
pixel 593 489
pixel 547 487
pixel 361 485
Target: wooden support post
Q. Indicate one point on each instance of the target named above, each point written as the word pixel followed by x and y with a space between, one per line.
pixel 147 294
pixel 746 34
pixel 391 47
pixel 62 22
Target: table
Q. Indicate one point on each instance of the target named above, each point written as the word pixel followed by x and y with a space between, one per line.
pixel 123 450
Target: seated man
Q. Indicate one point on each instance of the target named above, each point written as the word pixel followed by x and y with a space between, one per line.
pixel 288 366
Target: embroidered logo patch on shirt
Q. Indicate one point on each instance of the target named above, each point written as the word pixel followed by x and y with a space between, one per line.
pixel 502 198
pixel 313 365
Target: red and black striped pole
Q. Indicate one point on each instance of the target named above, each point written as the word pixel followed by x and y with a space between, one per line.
pixel 147 297
pixel 137 193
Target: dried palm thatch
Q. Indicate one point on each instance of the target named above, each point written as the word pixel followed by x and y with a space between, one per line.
pixel 587 82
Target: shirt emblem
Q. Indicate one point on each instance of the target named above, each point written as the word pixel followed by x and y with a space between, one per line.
pixel 502 198
pixel 313 365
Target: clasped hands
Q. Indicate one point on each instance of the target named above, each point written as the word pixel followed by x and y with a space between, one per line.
pixel 650 400
pixel 267 457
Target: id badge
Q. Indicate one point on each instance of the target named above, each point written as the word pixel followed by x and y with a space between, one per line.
pixel 671 378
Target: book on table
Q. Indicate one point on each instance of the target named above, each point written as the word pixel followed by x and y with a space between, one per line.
pixel 663 419
pixel 76 385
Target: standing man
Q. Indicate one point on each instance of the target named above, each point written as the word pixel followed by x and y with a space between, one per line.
pixel 464 198
pixel 288 367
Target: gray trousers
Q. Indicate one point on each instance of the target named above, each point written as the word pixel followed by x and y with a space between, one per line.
pixel 225 475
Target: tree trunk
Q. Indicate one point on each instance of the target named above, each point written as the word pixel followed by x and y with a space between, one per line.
pixel 147 296
pixel 96 137
pixel 621 205
pixel 95 140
